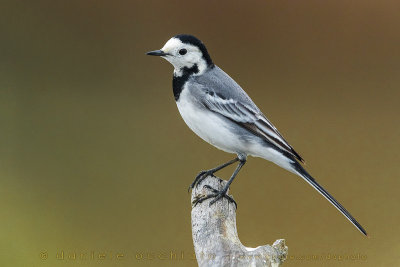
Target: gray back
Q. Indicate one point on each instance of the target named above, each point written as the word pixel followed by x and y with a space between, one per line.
pixel 217 81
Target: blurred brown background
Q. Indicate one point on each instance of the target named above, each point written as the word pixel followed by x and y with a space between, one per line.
pixel 96 159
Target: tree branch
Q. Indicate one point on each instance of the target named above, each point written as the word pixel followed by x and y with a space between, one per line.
pixel 215 238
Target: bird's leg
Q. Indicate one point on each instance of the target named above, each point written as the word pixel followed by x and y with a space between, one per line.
pixel 203 174
pixel 217 195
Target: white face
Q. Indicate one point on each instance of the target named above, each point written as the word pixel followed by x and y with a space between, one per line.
pixel 183 55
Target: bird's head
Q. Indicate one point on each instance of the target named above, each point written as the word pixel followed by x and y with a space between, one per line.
pixel 185 51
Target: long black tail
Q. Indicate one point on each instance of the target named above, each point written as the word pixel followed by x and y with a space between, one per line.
pixel 307 177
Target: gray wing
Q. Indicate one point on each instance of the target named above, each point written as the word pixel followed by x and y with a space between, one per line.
pixel 223 95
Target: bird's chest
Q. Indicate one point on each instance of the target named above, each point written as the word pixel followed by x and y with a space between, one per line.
pixel 206 124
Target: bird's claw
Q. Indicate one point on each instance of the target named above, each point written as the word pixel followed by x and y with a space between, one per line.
pixel 199 178
pixel 217 195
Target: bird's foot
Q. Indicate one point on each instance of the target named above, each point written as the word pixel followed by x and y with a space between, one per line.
pixel 217 195
pixel 200 177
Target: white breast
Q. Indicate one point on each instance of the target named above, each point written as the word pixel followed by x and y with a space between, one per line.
pixel 208 125
pixel 215 130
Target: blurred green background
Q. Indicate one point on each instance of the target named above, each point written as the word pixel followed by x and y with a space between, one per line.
pixel 95 158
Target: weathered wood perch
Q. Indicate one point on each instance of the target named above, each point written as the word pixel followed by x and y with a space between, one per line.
pixel 215 238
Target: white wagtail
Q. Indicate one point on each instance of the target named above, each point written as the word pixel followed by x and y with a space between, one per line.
pixel 218 110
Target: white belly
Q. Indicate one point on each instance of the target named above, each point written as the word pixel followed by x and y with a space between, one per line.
pixel 215 130
pixel 208 125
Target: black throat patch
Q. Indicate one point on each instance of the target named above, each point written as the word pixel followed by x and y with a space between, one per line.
pixel 179 81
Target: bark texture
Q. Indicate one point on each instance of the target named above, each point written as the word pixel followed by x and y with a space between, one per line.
pixel 215 238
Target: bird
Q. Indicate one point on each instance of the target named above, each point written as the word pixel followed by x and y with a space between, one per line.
pixel 220 112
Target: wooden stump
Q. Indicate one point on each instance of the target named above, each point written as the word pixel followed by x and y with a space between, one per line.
pixel 215 238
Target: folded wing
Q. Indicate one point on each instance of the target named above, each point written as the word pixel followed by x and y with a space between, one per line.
pixel 249 118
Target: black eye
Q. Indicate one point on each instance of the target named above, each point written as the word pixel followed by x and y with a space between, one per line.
pixel 182 51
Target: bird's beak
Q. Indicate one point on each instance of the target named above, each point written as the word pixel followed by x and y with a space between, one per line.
pixel 159 53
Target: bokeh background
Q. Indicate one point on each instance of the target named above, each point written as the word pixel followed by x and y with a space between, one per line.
pixel 95 158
